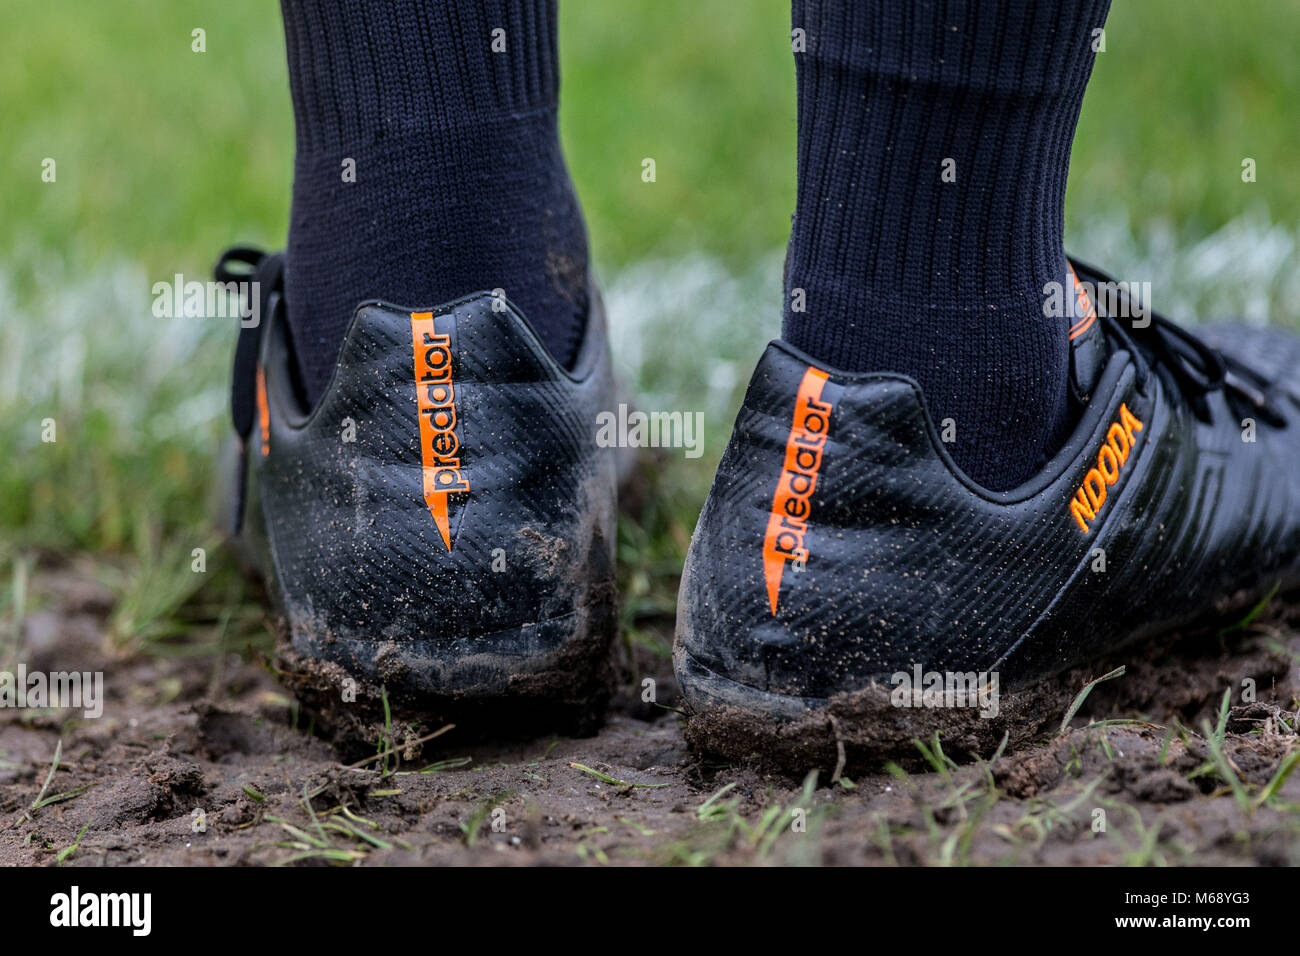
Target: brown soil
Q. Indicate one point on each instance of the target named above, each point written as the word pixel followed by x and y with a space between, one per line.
pixel 221 736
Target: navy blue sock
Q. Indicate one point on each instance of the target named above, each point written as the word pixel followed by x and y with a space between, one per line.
pixel 904 271
pixel 460 182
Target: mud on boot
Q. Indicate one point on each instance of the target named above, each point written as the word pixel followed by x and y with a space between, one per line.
pixel 441 523
pixel 840 547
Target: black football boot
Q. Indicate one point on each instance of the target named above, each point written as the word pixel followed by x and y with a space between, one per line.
pixel 848 589
pixel 439 527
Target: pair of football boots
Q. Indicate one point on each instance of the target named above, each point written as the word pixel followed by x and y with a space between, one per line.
pixel 439 528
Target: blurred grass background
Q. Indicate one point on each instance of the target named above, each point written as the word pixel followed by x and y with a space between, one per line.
pixel 164 156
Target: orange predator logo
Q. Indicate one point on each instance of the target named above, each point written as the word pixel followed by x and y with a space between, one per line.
pixel 263 412
pixel 788 523
pixel 1115 450
pixel 436 399
pixel 1085 308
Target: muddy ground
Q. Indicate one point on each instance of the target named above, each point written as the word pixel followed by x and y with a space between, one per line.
pixel 205 760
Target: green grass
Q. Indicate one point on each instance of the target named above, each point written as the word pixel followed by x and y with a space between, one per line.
pixel 164 156
pixel 723 824
pixel 1185 91
pixel 68 851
